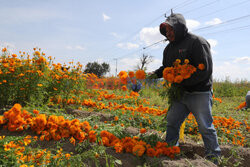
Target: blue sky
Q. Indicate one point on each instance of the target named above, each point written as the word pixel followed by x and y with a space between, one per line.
pixel 105 30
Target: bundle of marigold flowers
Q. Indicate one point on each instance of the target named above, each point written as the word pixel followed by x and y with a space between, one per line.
pixel 175 75
pixel 179 72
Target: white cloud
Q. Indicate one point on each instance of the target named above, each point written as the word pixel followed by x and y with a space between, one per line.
pixel 69 47
pixel 129 63
pixel 150 35
pixel 105 17
pixel 154 65
pixel 76 47
pixel 115 35
pixel 242 60
pixel 213 43
pixel 192 24
pixel 234 70
pixel 213 22
pixel 127 45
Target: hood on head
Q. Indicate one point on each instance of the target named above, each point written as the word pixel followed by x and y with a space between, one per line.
pixel 178 22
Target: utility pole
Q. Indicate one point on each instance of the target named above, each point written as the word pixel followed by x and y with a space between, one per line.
pixel 115 66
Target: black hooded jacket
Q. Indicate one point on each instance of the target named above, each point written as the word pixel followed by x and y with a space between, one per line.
pixel 188 46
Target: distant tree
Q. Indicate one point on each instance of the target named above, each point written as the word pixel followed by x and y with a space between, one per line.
pixel 97 69
pixel 144 61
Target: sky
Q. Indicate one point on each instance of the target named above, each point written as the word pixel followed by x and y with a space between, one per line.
pixel 119 32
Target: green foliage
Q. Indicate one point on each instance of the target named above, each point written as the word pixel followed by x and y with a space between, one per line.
pixel 230 89
pixel 171 93
pixel 97 69
pixel 153 97
pixel 151 139
pixel 91 154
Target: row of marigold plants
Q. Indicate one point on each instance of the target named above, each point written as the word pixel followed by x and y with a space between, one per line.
pixel 56 127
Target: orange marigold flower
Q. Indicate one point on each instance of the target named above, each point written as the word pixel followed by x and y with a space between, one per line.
pixel 104 133
pixel 143 130
pixel 128 146
pixel 116 118
pixel 169 77
pixel 16 109
pixel 37 53
pixel 186 75
pixel 178 61
pixel 118 147
pixel 92 138
pixel 140 74
pixel 131 74
pixel 105 141
pixel 39 85
pixel 186 61
pixel 27 140
pixel 124 88
pixel 158 152
pixel 2 120
pixel 134 93
pixel 176 149
pixel 243 104
pixel 138 150
pixel 42 138
pixel 123 74
pixel 4 49
pixel 36 112
pixel 67 156
pixel 201 66
pixel 14 55
pixel 72 140
pixel 178 79
pixel 151 152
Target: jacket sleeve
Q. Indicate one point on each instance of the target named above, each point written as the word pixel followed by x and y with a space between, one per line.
pixel 200 55
pixel 159 71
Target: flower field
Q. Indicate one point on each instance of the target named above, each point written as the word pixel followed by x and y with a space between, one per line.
pixel 53 114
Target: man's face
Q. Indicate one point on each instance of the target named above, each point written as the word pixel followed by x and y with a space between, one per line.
pixel 170 33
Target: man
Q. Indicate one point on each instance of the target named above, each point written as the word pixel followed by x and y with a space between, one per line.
pixel 197 94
